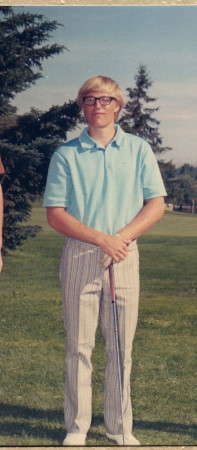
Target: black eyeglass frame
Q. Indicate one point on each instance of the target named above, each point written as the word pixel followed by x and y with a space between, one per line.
pixel 99 99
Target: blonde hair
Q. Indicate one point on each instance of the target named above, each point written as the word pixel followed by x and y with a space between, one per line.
pixel 101 83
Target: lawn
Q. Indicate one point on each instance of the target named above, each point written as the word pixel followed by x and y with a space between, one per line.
pixel 33 344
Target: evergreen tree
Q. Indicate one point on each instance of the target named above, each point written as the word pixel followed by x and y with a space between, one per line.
pixel 138 117
pixel 22 52
pixel 27 145
pixel 26 141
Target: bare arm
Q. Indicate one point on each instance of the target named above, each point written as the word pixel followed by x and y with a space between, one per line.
pixel 151 213
pixel 148 216
pixel 65 223
pixel 1 224
pixel 115 246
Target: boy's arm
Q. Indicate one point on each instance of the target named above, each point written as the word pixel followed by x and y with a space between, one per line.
pixel 65 223
pixel 151 213
pixel 147 217
pixel 116 246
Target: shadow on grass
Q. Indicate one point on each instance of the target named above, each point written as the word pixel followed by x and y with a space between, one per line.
pixel 32 422
pixel 169 427
pixel 16 421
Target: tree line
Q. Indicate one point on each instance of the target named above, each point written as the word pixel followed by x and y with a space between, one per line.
pixel 28 141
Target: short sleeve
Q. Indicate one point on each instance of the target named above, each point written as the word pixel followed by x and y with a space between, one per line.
pixel 59 184
pixel 151 178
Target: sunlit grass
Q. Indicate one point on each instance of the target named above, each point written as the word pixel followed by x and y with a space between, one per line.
pixel 32 341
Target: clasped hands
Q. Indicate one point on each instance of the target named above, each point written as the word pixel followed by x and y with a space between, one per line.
pixel 114 249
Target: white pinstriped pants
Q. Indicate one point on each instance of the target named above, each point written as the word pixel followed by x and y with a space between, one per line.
pixel 86 300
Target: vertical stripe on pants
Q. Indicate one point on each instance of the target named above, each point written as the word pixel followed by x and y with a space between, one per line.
pixel 87 300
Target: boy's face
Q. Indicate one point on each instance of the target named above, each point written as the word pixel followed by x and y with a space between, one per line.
pixel 99 116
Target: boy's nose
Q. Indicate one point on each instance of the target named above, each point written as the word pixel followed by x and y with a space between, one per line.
pixel 97 103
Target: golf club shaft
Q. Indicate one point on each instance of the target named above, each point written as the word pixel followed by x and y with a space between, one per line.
pixel 115 317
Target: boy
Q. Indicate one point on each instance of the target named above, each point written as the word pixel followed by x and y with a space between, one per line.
pixel 104 189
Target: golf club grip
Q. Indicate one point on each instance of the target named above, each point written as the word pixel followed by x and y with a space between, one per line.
pixel 111 282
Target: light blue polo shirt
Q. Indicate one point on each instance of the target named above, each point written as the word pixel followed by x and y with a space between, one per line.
pixel 104 188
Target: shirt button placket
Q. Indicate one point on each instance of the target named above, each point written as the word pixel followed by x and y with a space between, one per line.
pixel 107 158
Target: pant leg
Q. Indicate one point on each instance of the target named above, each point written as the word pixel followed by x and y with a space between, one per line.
pixel 80 274
pixel 126 275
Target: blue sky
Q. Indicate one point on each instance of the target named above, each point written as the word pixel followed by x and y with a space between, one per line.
pixel 114 41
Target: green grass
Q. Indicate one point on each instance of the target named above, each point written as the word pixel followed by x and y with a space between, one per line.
pixel 33 344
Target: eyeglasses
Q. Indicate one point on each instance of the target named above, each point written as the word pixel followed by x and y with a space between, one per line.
pixel 104 101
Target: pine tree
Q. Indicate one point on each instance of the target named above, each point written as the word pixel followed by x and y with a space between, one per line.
pixel 138 117
pixel 26 141
pixel 27 145
pixel 22 52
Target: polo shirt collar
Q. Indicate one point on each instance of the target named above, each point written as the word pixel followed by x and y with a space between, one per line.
pixel 87 142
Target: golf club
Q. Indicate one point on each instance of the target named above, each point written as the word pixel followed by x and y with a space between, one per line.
pixel 115 318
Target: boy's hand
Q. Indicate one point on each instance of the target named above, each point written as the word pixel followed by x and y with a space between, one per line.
pixel 114 248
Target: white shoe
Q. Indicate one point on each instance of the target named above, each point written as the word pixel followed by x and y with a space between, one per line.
pixel 129 439
pixel 74 439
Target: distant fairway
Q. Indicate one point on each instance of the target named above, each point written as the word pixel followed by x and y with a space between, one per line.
pixel 33 344
pixel 176 224
pixel 172 224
